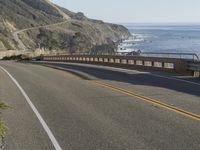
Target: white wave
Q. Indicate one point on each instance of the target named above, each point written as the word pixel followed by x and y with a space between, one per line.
pixel 125 50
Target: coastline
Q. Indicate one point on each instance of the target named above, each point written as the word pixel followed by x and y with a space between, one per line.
pixel 179 38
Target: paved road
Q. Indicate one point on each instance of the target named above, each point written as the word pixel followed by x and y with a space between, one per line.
pixel 21 45
pixel 84 115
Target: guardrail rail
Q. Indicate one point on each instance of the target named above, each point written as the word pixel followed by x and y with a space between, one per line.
pixel 180 66
pixel 192 56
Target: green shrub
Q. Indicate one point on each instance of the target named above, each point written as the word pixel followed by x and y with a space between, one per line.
pixel 3 128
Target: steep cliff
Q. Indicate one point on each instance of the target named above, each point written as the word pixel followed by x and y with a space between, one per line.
pixel 48 29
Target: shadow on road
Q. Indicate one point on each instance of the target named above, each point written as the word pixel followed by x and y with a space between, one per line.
pixel 136 79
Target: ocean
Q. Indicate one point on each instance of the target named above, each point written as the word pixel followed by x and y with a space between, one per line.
pixel 178 38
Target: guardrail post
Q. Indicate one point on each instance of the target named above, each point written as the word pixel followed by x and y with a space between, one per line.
pixel 153 64
pixel 163 64
pixel 134 61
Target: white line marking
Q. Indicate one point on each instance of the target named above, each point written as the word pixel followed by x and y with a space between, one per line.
pixel 149 73
pixel 131 71
pixel 172 78
pixel 44 125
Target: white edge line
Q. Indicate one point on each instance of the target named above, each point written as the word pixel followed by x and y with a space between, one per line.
pixel 172 78
pixel 44 125
pixel 135 71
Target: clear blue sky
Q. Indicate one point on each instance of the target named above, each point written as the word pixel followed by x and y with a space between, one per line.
pixel 131 11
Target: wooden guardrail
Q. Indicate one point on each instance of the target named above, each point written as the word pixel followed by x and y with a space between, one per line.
pixel 132 62
pixel 195 67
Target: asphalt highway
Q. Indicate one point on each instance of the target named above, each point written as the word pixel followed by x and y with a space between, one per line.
pixel 88 107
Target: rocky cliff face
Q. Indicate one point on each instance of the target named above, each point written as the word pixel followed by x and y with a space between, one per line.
pixel 77 34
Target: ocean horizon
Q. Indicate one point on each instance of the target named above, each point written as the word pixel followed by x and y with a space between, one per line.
pixel 165 37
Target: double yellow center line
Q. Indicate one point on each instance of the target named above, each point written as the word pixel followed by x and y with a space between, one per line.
pixel 149 100
pixel 132 94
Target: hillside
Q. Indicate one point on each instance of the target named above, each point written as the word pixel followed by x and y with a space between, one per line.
pixel 77 33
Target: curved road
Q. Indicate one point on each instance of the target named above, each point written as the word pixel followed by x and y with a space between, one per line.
pixel 21 45
pixel 18 40
pixel 84 113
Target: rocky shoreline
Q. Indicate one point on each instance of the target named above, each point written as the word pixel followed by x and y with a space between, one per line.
pixel 78 34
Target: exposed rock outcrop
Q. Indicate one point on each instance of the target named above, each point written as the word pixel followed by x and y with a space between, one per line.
pixel 77 34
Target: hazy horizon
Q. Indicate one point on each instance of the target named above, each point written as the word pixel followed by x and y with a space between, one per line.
pixel 134 11
pixel 161 23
